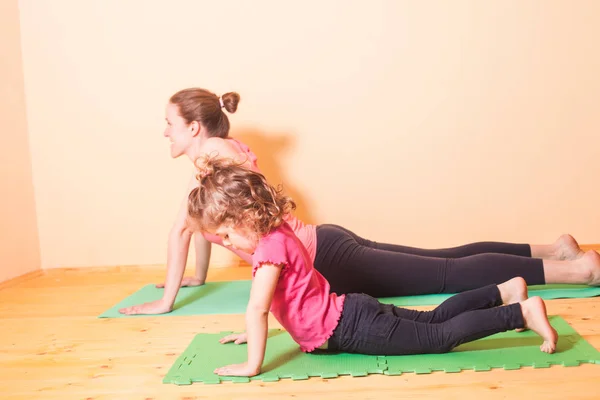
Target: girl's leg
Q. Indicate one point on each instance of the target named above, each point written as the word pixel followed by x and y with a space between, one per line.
pixel 564 248
pixel 365 328
pixel 473 325
pixel 351 267
pixel 509 292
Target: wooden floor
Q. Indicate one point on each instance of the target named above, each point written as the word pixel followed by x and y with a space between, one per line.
pixel 54 347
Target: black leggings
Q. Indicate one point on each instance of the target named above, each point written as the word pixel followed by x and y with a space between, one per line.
pixel 352 264
pixel 369 327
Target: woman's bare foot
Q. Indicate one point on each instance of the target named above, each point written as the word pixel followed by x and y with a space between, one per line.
pixel 585 270
pixel 567 248
pixel 536 319
pixel 591 262
pixel 513 290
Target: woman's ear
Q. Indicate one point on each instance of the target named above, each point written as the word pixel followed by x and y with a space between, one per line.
pixel 195 128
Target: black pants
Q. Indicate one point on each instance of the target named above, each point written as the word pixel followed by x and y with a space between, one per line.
pixel 369 327
pixel 352 264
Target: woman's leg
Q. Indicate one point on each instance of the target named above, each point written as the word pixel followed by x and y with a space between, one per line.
pixel 564 248
pixel 352 267
pixel 368 329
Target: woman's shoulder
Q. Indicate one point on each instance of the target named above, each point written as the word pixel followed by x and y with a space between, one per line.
pixel 225 147
pixel 231 148
pixel 216 144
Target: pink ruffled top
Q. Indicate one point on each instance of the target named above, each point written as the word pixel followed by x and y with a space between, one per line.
pixel 301 303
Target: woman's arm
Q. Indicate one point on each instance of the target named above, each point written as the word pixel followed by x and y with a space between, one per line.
pixel 261 296
pixel 179 244
pixel 177 254
pixel 203 249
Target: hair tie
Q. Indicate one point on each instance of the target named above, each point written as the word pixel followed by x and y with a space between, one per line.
pixel 221 102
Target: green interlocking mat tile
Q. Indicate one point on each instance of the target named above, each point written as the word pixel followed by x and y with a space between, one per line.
pixel 508 350
pixel 283 359
pixel 231 297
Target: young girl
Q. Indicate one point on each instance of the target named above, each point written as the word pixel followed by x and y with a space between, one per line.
pixel 238 205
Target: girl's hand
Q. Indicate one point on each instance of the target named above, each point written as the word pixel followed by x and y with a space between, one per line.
pixel 237 370
pixel 237 338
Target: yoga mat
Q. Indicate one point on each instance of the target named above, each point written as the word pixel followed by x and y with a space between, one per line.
pixel 227 297
pixel 283 358
pixel 546 292
pixel 231 297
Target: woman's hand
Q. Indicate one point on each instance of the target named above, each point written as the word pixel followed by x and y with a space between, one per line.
pixel 153 307
pixel 187 281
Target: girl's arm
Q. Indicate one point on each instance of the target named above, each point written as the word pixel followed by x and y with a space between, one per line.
pixel 261 295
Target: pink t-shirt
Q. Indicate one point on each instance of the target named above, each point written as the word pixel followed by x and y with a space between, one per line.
pixel 305 232
pixel 301 302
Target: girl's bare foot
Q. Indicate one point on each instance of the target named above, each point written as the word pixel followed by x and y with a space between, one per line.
pixel 513 290
pixel 536 319
pixel 567 248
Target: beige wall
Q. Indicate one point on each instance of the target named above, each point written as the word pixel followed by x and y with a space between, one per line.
pixel 427 124
pixel 19 245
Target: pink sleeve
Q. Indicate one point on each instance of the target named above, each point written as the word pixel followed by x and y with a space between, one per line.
pixel 269 252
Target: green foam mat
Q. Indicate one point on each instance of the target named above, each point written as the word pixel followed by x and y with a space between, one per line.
pixel 283 358
pixel 546 292
pixel 227 297
pixel 231 297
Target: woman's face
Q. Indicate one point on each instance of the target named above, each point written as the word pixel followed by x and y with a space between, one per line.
pixel 179 132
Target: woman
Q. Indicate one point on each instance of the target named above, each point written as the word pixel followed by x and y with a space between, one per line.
pixel 197 125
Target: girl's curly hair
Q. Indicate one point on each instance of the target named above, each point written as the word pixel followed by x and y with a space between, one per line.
pixel 230 193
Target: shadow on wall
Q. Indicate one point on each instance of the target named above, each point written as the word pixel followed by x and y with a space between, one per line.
pixel 272 150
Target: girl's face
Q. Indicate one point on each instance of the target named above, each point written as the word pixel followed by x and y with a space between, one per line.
pixel 239 238
pixel 179 132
